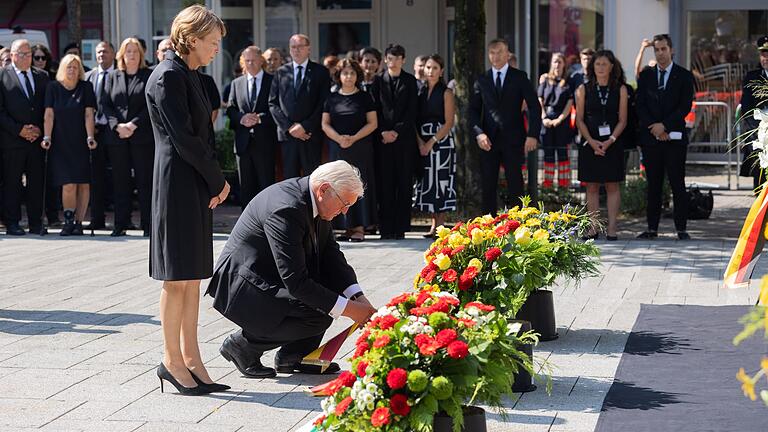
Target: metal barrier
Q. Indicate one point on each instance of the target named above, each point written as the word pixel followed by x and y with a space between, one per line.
pixel 708 114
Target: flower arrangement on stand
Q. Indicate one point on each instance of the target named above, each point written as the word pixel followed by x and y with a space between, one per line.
pixel 424 353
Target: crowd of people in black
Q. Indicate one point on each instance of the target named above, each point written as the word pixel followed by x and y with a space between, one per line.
pixel 60 130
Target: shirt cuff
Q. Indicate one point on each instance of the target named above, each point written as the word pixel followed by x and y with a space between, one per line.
pixel 338 308
pixel 352 290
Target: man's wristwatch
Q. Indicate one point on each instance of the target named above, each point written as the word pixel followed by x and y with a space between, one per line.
pixel 355 296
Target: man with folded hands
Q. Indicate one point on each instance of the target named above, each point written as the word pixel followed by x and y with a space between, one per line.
pixel 281 276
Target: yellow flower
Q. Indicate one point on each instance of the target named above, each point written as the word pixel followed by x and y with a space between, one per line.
pixel 443 232
pixel 553 217
pixel 416 281
pixel 522 235
pixel 476 263
pixel 541 235
pixel 533 222
pixel 747 385
pixel 477 236
pixel 487 218
pixel 764 364
pixel 567 217
pixel 442 261
pixel 764 291
pixel 455 239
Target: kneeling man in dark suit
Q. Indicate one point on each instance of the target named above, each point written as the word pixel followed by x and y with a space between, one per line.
pixel 281 276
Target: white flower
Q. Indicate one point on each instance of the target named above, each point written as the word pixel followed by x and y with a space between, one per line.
pixel 763 157
pixel 371 387
pixel 428 329
pixel 406 341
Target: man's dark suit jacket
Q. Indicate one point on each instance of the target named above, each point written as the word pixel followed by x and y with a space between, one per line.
pixel 748 99
pixel 239 104
pixel 303 105
pixel 122 105
pixel 669 106
pixel 396 111
pixel 277 244
pixel 16 110
pixel 500 116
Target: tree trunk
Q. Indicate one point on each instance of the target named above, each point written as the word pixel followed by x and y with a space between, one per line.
pixel 73 22
pixel 468 60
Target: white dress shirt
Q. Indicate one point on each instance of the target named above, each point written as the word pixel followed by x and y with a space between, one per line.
pixel 21 79
pixel 503 71
pixel 666 75
pixel 303 71
pixel 255 80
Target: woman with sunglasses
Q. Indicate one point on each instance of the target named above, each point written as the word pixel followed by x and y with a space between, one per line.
pixel 42 59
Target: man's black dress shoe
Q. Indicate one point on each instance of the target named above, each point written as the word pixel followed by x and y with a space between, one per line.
pixel 248 367
pixel 118 232
pixel 307 369
pixel 682 235
pixel 14 230
pixel 39 230
pixel 648 235
pixel 96 224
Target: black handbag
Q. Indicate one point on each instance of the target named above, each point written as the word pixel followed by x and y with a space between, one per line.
pixel 699 204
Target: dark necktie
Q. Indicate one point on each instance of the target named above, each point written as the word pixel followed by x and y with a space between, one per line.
pixel 254 91
pixel 297 84
pixel 498 82
pixel 662 74
pixel 100 86
pixel 28 85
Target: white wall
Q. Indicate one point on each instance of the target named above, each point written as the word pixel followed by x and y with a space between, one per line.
pixel 415 27
pixel 131 17
pixel 635 20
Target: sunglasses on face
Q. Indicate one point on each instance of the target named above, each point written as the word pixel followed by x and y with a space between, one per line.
pixel 38 58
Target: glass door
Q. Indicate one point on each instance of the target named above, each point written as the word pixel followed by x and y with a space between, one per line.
pixel 342 26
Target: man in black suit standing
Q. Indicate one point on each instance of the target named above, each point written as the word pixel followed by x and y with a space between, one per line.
pixel 255 130
pixel 105 57
pixel 750 102
pixel 395 94
pixel 296 100
pixel 664 98
pixel 281 276
pixel 496 117
pixel 22 96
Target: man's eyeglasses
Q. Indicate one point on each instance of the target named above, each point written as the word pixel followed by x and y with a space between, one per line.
pixel 38 58
pixel 23 54
pixel 346 204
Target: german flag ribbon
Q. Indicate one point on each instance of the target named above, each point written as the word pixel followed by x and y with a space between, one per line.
pixel 325 353
pixel 750 244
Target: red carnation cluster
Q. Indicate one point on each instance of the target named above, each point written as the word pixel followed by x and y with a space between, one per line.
pixel 380 417
pixel 361 367
pixel 481 306
pixel 363 336
pixel 450 275
pixel 342 406
pixel 381 341
pixel 467 278
pixel 345 379
pixel 399 404
pixel 457 249
pixel 429 272
pixel 423 297
pixel 428 345
pixel 361 349
pixel 492 253
pixel 443 304
pixel 397 378
pixel 458 349
pixel 457 226
pixel 399 299
pixel 446 336
pixel 446 251
pixel 467 322
pixel 506 228
pixel 384 322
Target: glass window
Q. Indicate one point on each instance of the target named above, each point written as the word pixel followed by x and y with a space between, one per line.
pixel 282 21
pixel 568 26
pixel 239 36
pixel 163 12
pixel 338 38
pixel 343 4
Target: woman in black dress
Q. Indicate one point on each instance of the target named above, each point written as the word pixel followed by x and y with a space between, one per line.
pixel 68 132
pixel 349 119
pixel 435 192
pixel 125 106
pixel 601 115
pixel 556 99
pixel 187 184
pixel 42 59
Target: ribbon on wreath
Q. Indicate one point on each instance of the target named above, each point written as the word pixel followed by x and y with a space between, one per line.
pixel 325 353
pixel 750 244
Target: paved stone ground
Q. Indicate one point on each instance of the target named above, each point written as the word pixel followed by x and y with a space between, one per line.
pixel 80 337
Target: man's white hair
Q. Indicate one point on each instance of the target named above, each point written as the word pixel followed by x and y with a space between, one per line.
pixel 342 177
pixel 15 45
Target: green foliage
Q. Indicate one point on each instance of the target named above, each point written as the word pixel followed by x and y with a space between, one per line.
pixel 225 153
pixel 634 196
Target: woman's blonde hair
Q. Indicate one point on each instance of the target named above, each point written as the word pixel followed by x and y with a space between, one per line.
pixel 551 76
pixel 194 22
pixel 61 74
pixel 121 53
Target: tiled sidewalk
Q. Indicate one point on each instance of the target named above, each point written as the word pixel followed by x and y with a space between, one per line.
pixel 80 336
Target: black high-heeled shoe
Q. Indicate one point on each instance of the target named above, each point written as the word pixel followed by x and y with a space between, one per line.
pixel 213 387
pixel 164 374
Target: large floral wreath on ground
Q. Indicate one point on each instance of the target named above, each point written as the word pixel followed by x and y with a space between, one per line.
pixel 420 354
pixel 501 260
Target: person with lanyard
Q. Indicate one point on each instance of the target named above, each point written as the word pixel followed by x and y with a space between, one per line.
pixel 601 116
pixel 751 106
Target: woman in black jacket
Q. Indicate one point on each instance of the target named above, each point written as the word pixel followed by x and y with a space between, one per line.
pixel 125 106
pixel 187 184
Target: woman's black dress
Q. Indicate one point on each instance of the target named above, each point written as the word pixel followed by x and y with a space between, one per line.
pixel 434 192
pixel 555 97
pixel 348 116
pixel 608 168
pixel 69 154
pixel 186 173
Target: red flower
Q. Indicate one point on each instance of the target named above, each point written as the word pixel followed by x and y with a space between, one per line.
pixel 506 228
pixel 402 298
pixel 419 311
pixel 458 349
pixel 464 282
pixel 430 276
pixel 470 272
pixel 363 336
pixel 440 306
pixel 428 268
pixel 361 349
pixel 380 417
pixel 347 378
pixel 451 300
pixel 399 404
pixel 361 367
pixel 482 307
pixel 502 216
pixel 467 322
pixel 397 378
pixel 492 253
pixel 422 297
pixel 381 341
pixel 387 322
pixel 450 275
pixel 457 250
pixel 319 420
pixel 445 337
pixel 446 251
pixel 427 345
pixel 334 386
pixel 421 339
pixel 342 406
pixel 457 226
